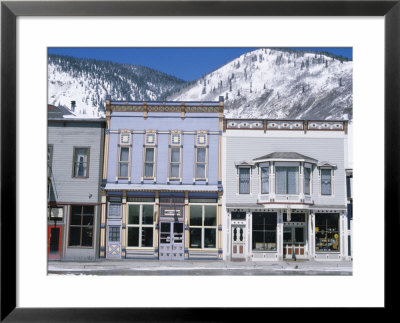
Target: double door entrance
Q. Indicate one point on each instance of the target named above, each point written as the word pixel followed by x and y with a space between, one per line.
pixel 172 240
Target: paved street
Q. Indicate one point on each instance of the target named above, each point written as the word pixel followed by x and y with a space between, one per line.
pixel 191 267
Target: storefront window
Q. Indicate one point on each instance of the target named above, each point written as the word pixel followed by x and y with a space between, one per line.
pixel 140 226
pixel 264 231
pixel 81 226
pixel 203 226
pixel 327 232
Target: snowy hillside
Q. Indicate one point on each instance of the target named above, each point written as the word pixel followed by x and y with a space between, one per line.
pixel 87 82
pixel 279 84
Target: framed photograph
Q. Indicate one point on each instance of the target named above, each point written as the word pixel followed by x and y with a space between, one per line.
pixel 30 29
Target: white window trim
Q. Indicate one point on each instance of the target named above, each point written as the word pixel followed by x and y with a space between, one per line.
pixel 202 226
pixel 140 225
pixel 238 177
pixel 332 182
pixel 119 162
pixel 311 180
pixel 205 164
pixel 260 179
pixel 154 162
pixel 180 146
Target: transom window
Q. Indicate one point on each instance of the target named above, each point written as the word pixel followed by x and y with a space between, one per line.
pixel 203 226
pixel 149 161
pixel 326 181
pixel 244 180
pixel 81 226
pixel 81 162
pixel 287 180
pixel 264 231
pixel 140 225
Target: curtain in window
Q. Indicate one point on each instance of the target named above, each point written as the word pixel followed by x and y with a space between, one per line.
pixel 244 180
pixel 280 178
pixel 80 162
pixel 264 180
pixel 307 175
pixel 292 179
pixel 201 159
pixel 149 159
pixel 326 181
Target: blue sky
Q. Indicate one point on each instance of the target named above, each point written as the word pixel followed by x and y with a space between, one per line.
pixel 185 63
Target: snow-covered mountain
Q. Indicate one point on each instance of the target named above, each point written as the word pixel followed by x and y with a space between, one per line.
pixel 265 83
pixel 87 81
pixel 279 84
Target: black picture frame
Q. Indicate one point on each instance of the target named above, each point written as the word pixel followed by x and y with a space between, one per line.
pixel 10 10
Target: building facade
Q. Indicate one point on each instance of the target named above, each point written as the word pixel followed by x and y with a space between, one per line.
pixel 162 181
pixel 74 156
pixel 285 190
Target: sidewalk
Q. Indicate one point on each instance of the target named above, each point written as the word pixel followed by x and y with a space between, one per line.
pixel 200 267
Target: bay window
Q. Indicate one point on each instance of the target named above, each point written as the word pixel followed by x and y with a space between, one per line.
pixel 264 180
pixel 287 180
pixel 203 226
pixel 307 180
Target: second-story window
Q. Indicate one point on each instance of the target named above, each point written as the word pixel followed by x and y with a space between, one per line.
pixel 124 154
pixel 123 162
pixel 201 155
pixel 265 180
pixel 287 180
pixel 175 156
pixel 307 180
pixel 326 181
pixel 244 180
pixel 150 154
pixel 149 163
pixel 81 162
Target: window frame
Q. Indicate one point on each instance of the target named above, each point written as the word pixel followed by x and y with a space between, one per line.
pixel 261 179
pixel 332 193
pixel 145 162
pixel 140 225
pixel 202 227
pixel 205 163
pixel 238 179
pixel 275 230
pixel 310 180
pixel 128 162
pixel 326 232
pixel 81 226
pixel 287 180
pixel 74 161
pixel 170 163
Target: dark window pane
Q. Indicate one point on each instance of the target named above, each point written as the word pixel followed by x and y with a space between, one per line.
pixel 114 234
pixel 210 215
pixel 148 169
pixel 54 240
pixel 195 238
pixel 195 215
pixel 175 170
pixel 326 188
pixel 264 231
pixel 209 238
pixel 123 170
pixel 147 237
pixel 238 215
pixel 166 227
pixel 200 171
pixel 149 155
pixel 133 237
pixel 133 214
pixel 147 216
pixel 299 234
pixel 87 220
pixel 87 236
pixel 74 236
pixel 76 212
pixel 124 154
pixel 175 155
pixel 178 227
